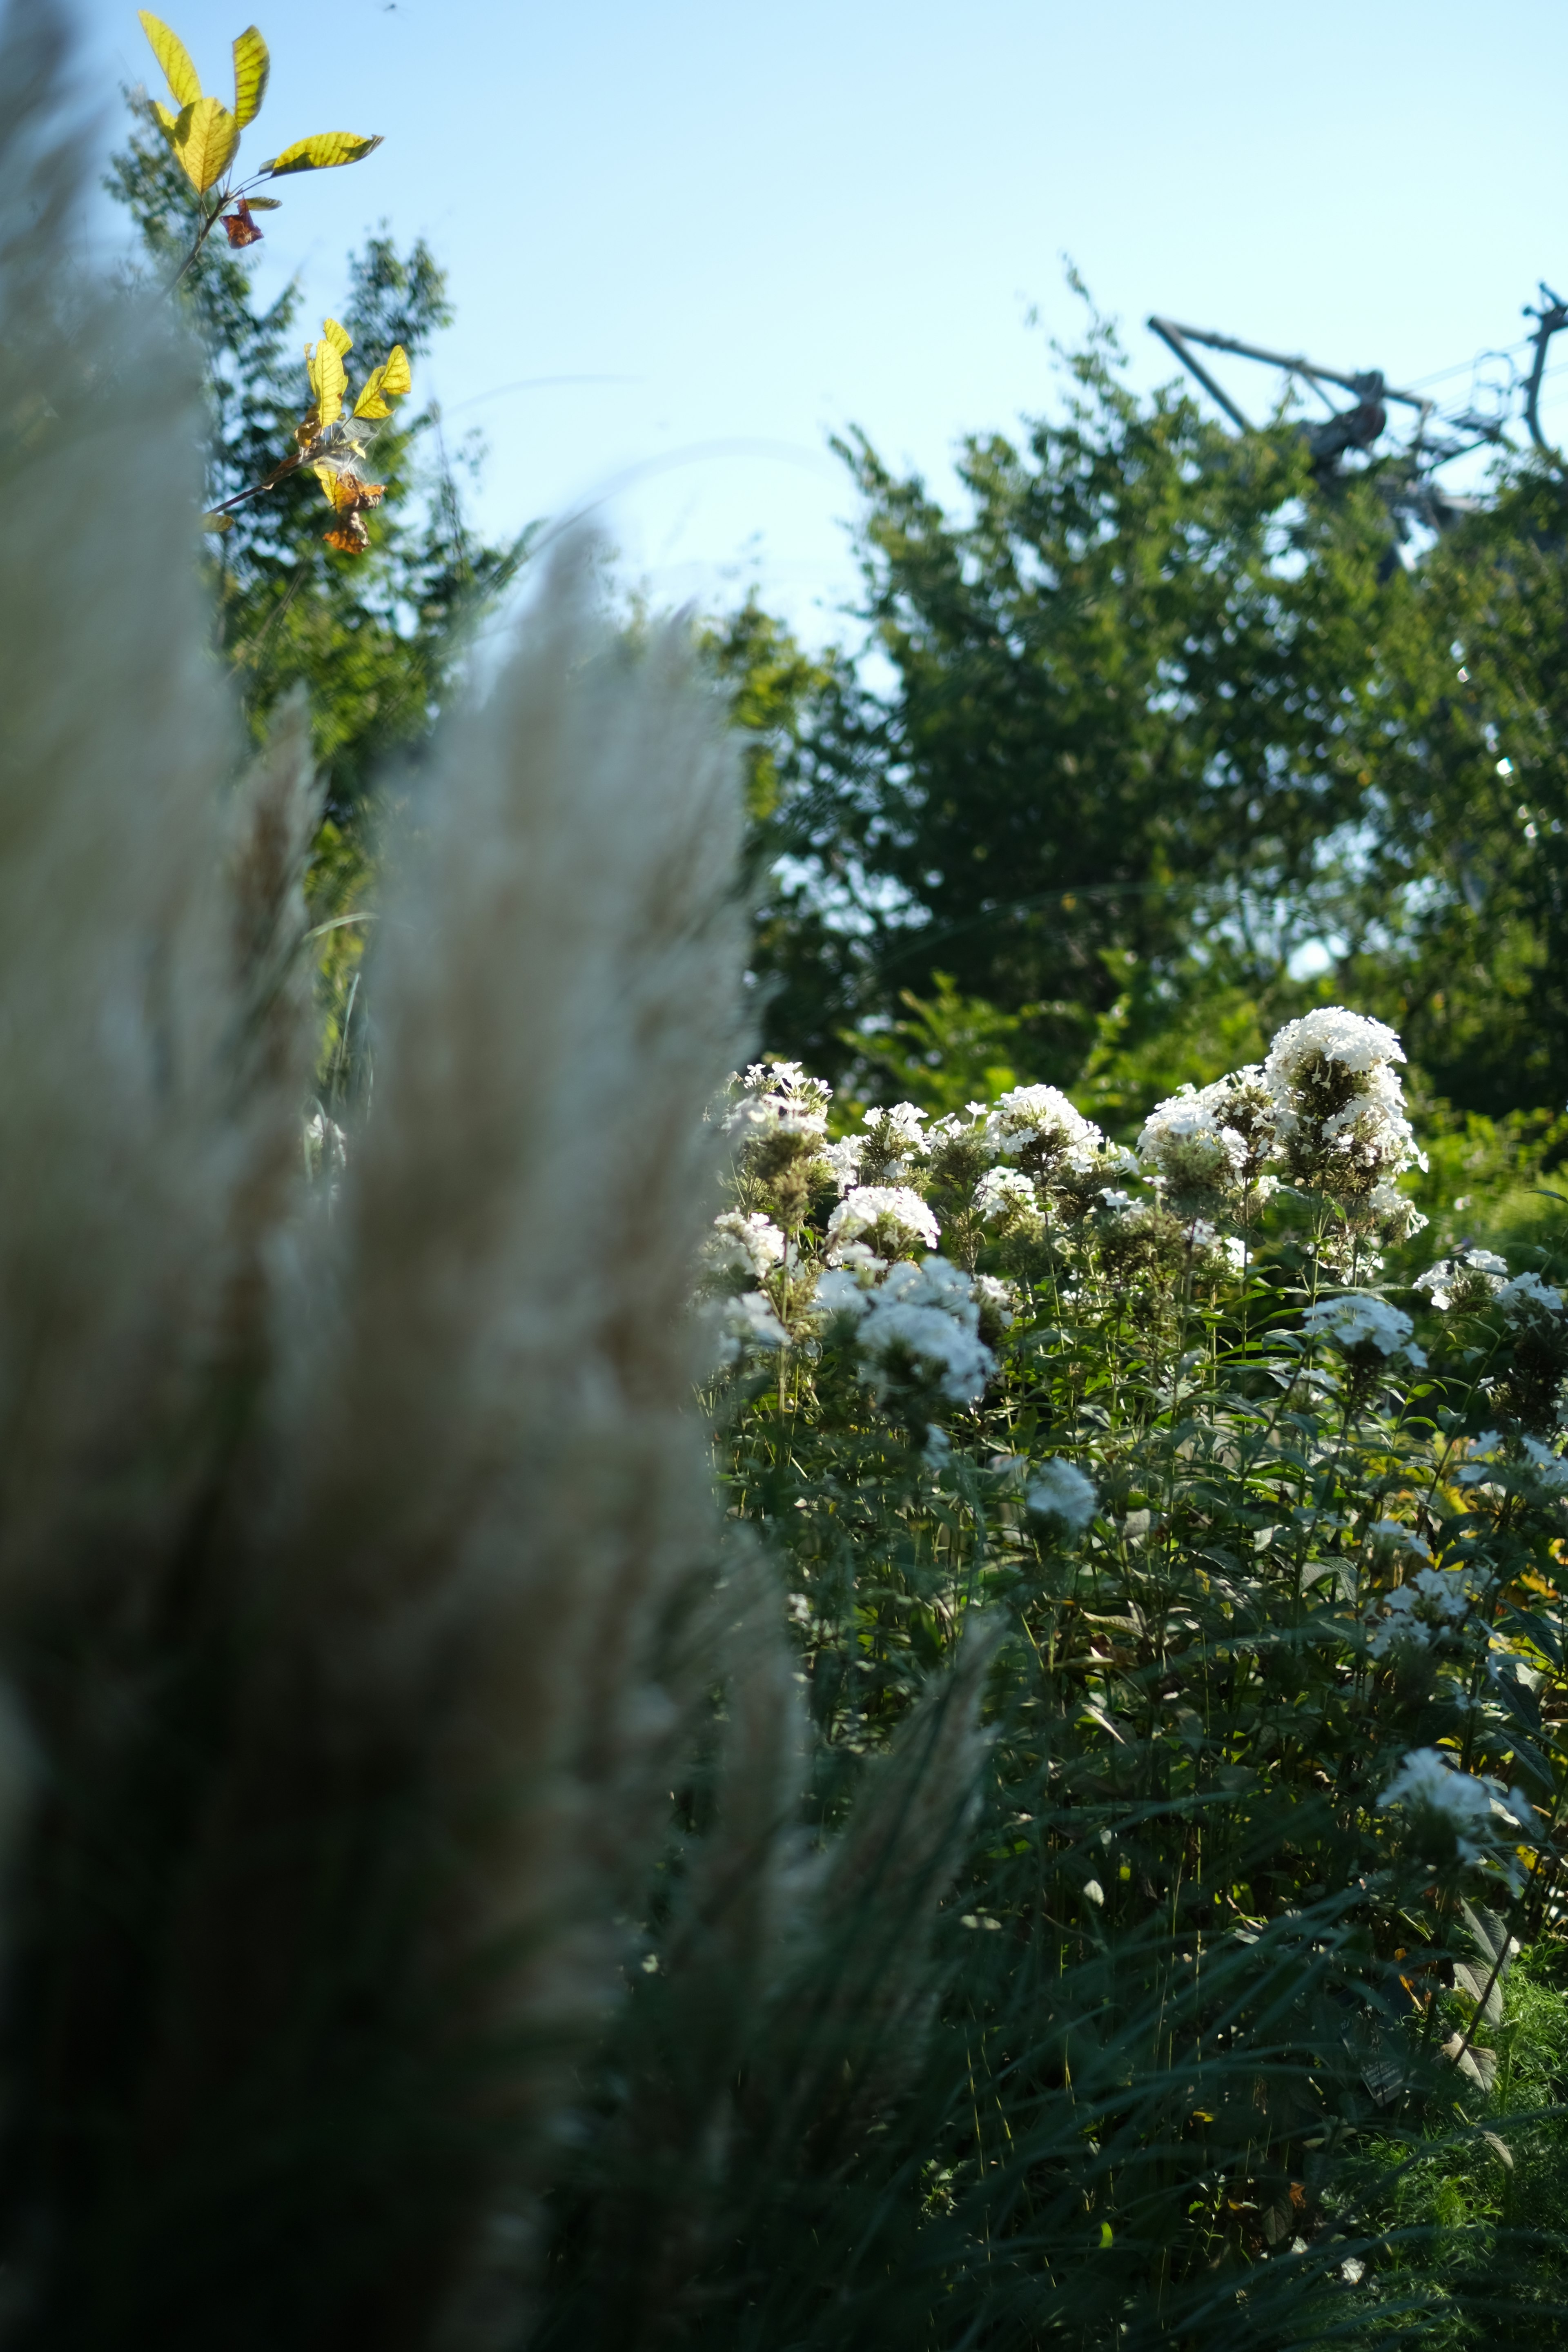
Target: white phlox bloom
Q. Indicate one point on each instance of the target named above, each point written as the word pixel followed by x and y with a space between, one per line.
pixel 1000 1298
pixel 1485 1454
pixel 844 1158
pixel 1041 1118
pixel 778 1097
pixel 1004 1193
pixel 1208 1242
pixel 838 1293
pixel 1186 1143
pixel 1331 1034
pixel 1358 1318
pixel 1465 1804
pixel 1114 1202
pixel 1398 1621
pixel 1369 1132
pixel 1470 1275
pixel 925 1313
pixel 873 1208
pixel 958 1127
pixel 739 1244
pixel 1550 1469
pixel 737 1324
pixel 749 1321
pixel 1395 1532
pixel 1397 1212
pixel 1419 1611
pixel 891 1141
pixel 1527 1298
pixel 1061 1491
pixel 897 1125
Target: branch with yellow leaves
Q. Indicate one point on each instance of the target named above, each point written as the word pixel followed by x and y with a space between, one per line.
pixel 204 136
pixel 333 446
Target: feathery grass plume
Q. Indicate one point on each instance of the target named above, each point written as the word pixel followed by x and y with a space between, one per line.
pixel 738 1915
pixel 342 1559
pixel 783 2019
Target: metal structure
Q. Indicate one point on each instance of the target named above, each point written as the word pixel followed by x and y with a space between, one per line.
pixel 1413 459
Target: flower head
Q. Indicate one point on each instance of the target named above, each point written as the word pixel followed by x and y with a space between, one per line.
pixel 751 1246
pixel 1361 1320
pixel 923 1324
pixel 1188 1146
pixel 1004 1196
pixel 1059 1490
pixel 898 1219
pixel 1038 1127
pixel 1457 1811
pixel 1468 1279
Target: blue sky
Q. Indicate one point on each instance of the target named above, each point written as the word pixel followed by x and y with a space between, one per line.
pixel 719 235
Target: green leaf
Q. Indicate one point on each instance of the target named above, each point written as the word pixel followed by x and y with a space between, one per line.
pixel 251 67
pixel 173 57
pixel 321 153
pixel 217 522
pixel 206 137
pixel 264 203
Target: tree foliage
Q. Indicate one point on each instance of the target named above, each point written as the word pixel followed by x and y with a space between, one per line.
pixel 374 638
pixel 1160 707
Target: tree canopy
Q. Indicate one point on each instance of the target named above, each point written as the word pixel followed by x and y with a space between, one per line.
pixel 1161 708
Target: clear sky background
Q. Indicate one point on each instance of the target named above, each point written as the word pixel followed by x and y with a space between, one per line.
pixel 688 242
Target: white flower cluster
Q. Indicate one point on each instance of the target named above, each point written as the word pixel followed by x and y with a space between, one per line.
pixel 749 1245
pixel 1360 1320
pixel 777 1097
pixel 1061 1491
pixel 1331 1034
pixel 1528 1299
pixel 895 1216
pixel 997 1297
pixel 1488 1457
pixel 1339 1109
pixel 1005 1195
pixel 1467 1279
pixel 891 1144
pixel 742 1322
pixel 1223 1249
pixel 921 1320
pixel 1187 1145
pixel 1462 1805
pixel 1038 1126
pixel 1418 1611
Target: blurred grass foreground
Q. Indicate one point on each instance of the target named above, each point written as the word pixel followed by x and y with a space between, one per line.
pixel 637 1714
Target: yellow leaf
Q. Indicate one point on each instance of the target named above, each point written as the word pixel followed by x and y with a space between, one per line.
pixel 263 205
pixel 206 137
pixel 320 153
pixel 167 116
pixel 251 64
pixel 342 341
pixel 173 57
pixel 324 368
pixel 217 522
pixel 386 384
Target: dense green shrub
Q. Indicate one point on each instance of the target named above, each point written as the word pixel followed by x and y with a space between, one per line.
pixel 1233 2043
